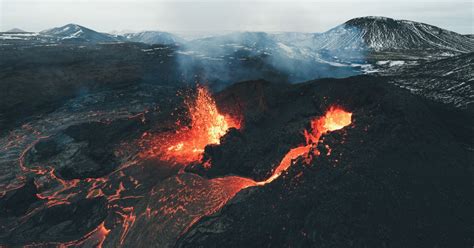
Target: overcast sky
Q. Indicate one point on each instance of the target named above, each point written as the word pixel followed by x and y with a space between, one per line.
pixel 226 15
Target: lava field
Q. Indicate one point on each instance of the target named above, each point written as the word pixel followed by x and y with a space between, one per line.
pixel 325 163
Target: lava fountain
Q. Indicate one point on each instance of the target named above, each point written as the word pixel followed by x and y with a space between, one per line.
pixel 207 127
pixel 335 118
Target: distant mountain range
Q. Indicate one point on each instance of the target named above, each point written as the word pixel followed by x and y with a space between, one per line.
pixel 358 34
pixel 360 45
pixel 77 33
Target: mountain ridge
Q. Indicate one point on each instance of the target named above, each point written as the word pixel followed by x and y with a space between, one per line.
pixel 77 32
pixel 369 33
pixel 382 33
pixel 153 37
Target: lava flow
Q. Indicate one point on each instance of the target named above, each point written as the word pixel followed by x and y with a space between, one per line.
pixel 334 119
pixel 182 200
pixel 206 128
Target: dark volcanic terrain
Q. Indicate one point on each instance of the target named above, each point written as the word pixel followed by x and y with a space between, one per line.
pixel 389 178
pixel 397 176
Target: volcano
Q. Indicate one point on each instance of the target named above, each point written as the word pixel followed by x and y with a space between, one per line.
pixel 387 34
pixel 107 141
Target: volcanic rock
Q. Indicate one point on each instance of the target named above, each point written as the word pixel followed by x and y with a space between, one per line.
pixel 17 202
pixel 60 223
pixel 84 150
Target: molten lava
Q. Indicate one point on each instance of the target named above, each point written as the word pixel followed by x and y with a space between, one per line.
pixel 334 119
pixel 207 127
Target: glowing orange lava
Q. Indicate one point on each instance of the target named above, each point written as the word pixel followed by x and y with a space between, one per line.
pixel 207 127
pixel 334 119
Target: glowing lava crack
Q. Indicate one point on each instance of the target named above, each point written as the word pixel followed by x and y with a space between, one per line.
pixel 334 119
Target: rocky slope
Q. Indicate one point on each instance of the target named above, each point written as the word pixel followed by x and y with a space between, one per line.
pixel 448 80
pixel 153 37
pixel 39 79
pixel 382 33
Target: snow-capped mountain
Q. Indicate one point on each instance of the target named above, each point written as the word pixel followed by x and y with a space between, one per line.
pixel 153 37
pixel 386 34
pixel 74 32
